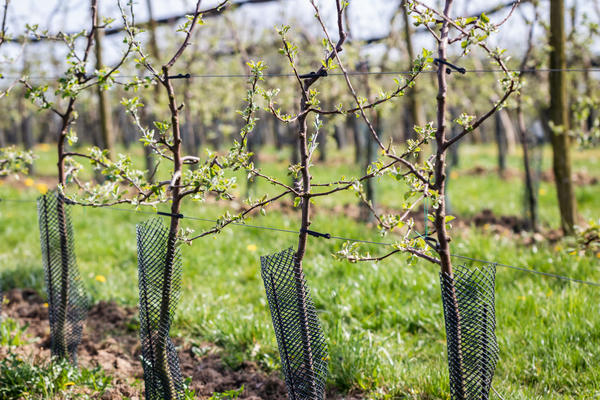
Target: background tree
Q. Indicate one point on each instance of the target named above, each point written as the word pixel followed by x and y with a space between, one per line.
pixel 559 117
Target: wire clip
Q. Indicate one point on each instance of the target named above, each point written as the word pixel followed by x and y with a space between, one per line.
pixel 431 242
pixel 461 70
pixel 180 76
pixel 166 214
pixel 313 74
pixel 316 234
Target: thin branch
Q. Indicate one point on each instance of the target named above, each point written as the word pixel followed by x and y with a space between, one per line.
pixel 188 36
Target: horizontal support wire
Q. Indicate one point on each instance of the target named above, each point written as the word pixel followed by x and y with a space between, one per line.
pixel 352 73
pixel 346 239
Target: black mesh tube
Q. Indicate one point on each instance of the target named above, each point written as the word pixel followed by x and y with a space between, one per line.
pixel 302 346
pixel 471 335
pixel 67 299
pixel 159 281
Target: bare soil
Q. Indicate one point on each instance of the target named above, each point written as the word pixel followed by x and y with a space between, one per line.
pixel 580 178
pixel 110 341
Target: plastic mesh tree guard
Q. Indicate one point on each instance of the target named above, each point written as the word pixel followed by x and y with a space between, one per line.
pixel 67 298
pixel 300 339
pixel 159 268
pixel 471 335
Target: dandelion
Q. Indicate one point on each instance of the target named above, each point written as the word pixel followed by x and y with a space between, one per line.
pixel 28 182
pixel 42 188
pixel 44 147
pixel 542 191
pixel 598 254
pixel 100 278
pixel 251 247
pixel 45 305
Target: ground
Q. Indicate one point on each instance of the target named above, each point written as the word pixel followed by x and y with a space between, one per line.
pixel 383 321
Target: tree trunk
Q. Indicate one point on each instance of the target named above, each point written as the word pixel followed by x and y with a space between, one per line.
pixel 531 196
pixel 104 111
pixel 559 115
pixel 352 124
pixel 416 111
pixel 500 144
pixel 440 187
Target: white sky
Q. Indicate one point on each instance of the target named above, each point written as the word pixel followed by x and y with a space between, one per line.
pixel 369 18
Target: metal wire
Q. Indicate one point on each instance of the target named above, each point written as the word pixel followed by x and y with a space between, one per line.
pixel 159 268
pixel 531 271
pixel 302 347
pixel 469 313
pixel 497 394
pixel 352 73
pixel 522 269
pixel 67 298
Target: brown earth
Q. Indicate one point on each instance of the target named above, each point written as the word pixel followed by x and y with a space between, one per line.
pixel 110 341
pixel 580 178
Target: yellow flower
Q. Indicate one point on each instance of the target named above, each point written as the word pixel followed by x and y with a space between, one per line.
pixel 44 147
pixel 521 298
pixel 45 305
pixel 100 278
pixel 251 247
pixel 542 191
pixel 28 182
pixel 42 188
pixel 69 383
pixel 557 247
pixel 598 254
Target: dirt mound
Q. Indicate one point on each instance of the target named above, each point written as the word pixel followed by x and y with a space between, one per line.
pixel 487 217
pixel 580 178
pixel 110 341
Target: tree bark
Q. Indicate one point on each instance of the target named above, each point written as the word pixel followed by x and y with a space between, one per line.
pixel 104 112
pixel 440 187
pixel 416 110
pixel 559 115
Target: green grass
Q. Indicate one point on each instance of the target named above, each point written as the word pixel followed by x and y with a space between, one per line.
pixel 383 321
pixel 20 378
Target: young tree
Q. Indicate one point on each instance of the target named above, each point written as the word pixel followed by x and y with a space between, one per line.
pixel 429 180
pixel 76 80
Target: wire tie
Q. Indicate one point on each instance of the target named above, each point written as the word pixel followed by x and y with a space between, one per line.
pixel 438 61
pixel 316 234
pixel 314 74
pixel 166 214
pixel 66 200
pixel 180 76
pixel 432 243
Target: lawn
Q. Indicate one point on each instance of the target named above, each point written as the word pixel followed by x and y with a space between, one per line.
pixel 383 321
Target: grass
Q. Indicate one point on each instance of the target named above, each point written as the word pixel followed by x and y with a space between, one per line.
pixel 383 321
pixel 22 379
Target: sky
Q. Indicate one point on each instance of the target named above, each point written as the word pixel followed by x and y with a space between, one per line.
pixel 368 18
